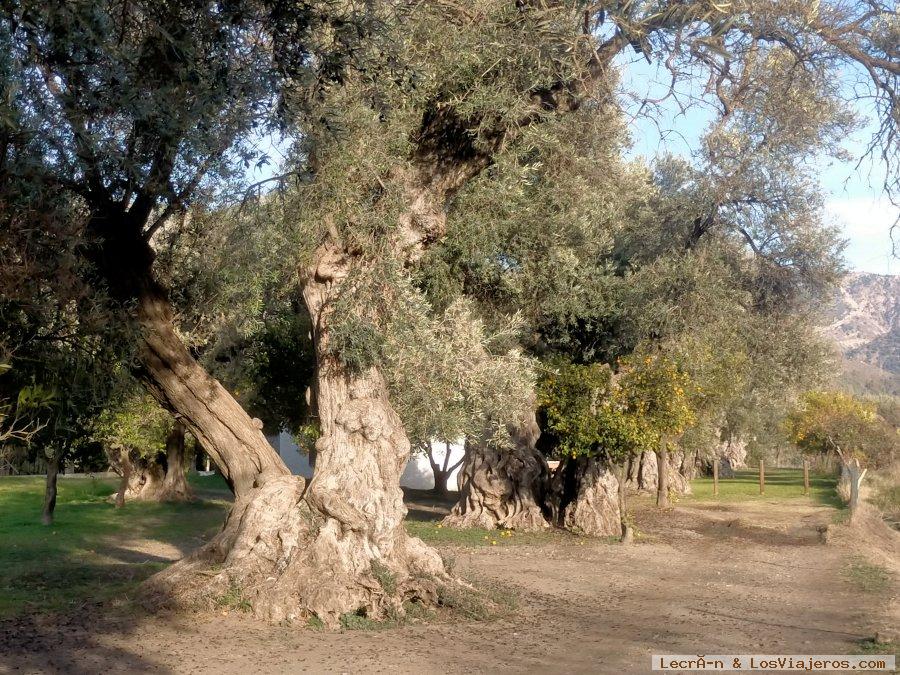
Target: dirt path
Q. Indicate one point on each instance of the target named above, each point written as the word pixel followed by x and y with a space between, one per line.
pixel 746 578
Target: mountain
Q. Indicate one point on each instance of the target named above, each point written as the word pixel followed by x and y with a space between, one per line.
pixel 865 323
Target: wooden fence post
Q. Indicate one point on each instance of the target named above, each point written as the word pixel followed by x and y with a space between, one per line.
pixel 716 477
pixel 762 477
pixel 806 477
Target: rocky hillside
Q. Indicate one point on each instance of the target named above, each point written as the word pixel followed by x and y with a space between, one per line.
pixel 866 326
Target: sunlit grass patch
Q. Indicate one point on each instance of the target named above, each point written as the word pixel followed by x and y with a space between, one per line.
pixel 86 556
pixel 780 484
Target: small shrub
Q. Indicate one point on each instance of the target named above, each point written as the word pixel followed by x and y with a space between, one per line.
pixel 359 621
pixel 384 577
pixel 234 599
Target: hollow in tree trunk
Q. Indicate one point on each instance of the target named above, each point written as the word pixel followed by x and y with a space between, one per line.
pixel 503 487
pixel 662 464
pixel 50 490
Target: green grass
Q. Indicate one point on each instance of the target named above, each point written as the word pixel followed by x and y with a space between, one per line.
pixel 84 556
pixel 214 484
pixel 872 647
pixel 432 532
pixel 867 577
pixel 780 484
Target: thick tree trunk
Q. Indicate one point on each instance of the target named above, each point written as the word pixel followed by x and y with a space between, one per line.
pixel 662 463
pixel 503 487
pixel 646 475
pixel 141 477
pixel 158 479
pixel 585 498
pixel 336 545
pixel 50 490
pixel 175 487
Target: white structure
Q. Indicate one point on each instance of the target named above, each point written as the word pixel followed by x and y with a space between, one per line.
pixel 417 474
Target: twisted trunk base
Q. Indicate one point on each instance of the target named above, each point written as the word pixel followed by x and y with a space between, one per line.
pixel 503 487
pixel 585 498
pixel 150 479
pixel 282 558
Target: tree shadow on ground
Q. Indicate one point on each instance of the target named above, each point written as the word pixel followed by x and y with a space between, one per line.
pixel 71 643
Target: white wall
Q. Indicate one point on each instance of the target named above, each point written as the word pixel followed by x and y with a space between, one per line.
pixel 416 475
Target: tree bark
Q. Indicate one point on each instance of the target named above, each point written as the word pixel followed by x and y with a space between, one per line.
pixel 337 544
pixel 586 498
pixel 215 419
pixel 50 490
pixel 622 494
pixel 662 465
pixel 175 487
pixel 503 487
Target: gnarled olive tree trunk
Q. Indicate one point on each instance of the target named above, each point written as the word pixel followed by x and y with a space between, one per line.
pixel 585 497
pixel 335 545
pixel 503 487
pixel 158 478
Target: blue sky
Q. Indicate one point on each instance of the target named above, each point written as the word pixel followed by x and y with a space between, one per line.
pixel 854 198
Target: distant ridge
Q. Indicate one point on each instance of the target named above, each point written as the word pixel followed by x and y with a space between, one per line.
pixel 865 323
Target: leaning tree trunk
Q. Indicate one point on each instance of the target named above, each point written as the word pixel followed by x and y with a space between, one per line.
pixel 585 498
pixel 50 490
pixel 336 545
pixel 214 418
pixel 503 487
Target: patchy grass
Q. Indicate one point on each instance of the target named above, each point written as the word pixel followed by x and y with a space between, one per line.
pixel 209 486
pixel 870 646
pixel 432 532
pixel 234 599
pixel 868 577
pixel 886 498
pixel 780 484
pixel 84 557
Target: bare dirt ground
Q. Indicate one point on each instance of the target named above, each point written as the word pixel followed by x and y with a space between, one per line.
pixel 750 577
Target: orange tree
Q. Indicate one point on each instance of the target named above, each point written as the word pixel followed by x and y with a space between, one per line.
pixel 657 389
pixel 591 411
pixel 829 421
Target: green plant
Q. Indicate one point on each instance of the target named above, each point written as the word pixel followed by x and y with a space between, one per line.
pixel 384 576
pixel 868 577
